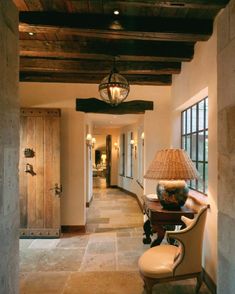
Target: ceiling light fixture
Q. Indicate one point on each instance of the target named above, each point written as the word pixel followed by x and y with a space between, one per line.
pixel 116 12
pixel 31 33
pixel 114 88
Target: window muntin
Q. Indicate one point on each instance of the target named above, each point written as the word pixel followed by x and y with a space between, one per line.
pixel 194 140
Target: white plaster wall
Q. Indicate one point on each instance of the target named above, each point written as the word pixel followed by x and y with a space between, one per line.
pixel 157 130
pixel 226 149
pixel 198 79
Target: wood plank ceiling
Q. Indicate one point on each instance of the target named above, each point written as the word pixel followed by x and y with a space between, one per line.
pixel 77 40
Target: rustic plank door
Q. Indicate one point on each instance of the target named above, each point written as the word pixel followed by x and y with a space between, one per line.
pixel 39 171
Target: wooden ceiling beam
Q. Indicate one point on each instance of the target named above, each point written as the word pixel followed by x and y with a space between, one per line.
pixel 93 105
pixel 106 50
pixel 194 4
pixel 96 66
pixel 159 80
pixel 120 27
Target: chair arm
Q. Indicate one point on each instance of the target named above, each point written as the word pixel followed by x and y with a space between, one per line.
pixel 187 221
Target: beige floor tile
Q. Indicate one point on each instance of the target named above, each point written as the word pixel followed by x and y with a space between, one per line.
pixel 98 262
pixel 48 283
pixel 104 283
pixel 44 243
pixel 73 241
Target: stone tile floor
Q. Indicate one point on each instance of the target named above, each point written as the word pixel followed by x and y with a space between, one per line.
pixel 102 261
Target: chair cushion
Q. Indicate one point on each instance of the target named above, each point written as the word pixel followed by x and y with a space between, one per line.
pixel 157 262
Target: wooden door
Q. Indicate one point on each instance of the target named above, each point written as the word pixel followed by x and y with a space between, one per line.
pixel 108 159
pixel 39 171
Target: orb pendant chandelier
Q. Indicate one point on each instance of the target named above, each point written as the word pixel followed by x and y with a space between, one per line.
pixel 114 88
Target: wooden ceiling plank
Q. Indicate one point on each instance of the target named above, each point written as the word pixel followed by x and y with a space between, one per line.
pixel 100 26
pixel 134 50
pixel 21 5
pixel 94 66
pixel 159 80
pixel 34 5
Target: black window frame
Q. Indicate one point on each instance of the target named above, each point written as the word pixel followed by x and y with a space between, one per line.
pixel 185 135
pixel 130 175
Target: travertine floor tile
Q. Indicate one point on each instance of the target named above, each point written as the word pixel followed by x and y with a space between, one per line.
pixel 98 262
pixel 48 283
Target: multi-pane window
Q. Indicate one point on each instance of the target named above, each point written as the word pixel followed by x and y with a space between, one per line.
pixel 122 155
pixel 129 172
pixel 195 141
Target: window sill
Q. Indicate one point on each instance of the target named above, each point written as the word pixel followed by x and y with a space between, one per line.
pixel 129 177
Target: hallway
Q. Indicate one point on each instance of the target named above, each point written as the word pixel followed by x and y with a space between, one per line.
pixel 102 261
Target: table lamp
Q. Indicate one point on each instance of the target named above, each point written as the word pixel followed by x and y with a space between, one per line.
pixel 172 167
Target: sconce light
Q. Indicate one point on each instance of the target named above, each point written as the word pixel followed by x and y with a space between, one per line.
pixel 116 147
pixel 93 141
pixel 89 140
pixel 142 138
pixel 133 146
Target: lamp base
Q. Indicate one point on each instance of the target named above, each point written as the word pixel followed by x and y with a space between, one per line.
pixel 172 194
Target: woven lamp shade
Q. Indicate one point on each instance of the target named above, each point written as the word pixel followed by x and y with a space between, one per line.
pixel 171 164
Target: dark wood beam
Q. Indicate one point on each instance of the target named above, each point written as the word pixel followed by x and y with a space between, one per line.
pixel 199 4
pixel 116 27
pixel 158 80
pixel 93 105
pixel 106 50
pixel 28 64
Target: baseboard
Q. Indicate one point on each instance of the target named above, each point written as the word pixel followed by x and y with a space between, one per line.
pixel 89 203
pixel 73 229
pixel 113 186
pixel 209 282
pixel 133 195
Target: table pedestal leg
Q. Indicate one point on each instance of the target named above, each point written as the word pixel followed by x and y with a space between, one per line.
pixel 159 229
pixel 147 232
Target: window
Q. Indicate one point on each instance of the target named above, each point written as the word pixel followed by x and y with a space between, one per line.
pixel 122 155
pixel 195 141
pixel 129 171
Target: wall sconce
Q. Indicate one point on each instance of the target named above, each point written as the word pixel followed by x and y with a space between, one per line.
pixel 93 141
pixel 116 147
pixel 89 140
pixel 133 146
pixel 142 138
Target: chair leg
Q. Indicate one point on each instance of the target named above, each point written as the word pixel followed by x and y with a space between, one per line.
pixel 199 283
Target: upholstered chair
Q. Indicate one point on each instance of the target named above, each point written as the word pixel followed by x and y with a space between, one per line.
pixel 165 263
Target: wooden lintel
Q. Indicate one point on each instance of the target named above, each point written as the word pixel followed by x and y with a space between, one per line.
pixel 121 27
pixel 28 64
pixel 93 105
pixel 104 49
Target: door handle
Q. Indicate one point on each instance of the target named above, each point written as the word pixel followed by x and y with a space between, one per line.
pixel 57 190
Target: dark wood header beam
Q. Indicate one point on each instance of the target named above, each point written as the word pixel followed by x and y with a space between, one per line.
pixel 97 49
pixel 157 80
pixel 28 64
pixel 108 26
pixel 93 105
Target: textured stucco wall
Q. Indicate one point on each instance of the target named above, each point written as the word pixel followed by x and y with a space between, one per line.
pixel 198 79
pixel 226 150
pixel 9 145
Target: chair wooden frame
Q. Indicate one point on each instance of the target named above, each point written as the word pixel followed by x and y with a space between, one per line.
pixel 149 282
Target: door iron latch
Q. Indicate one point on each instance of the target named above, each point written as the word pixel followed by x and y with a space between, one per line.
pixel 57 190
